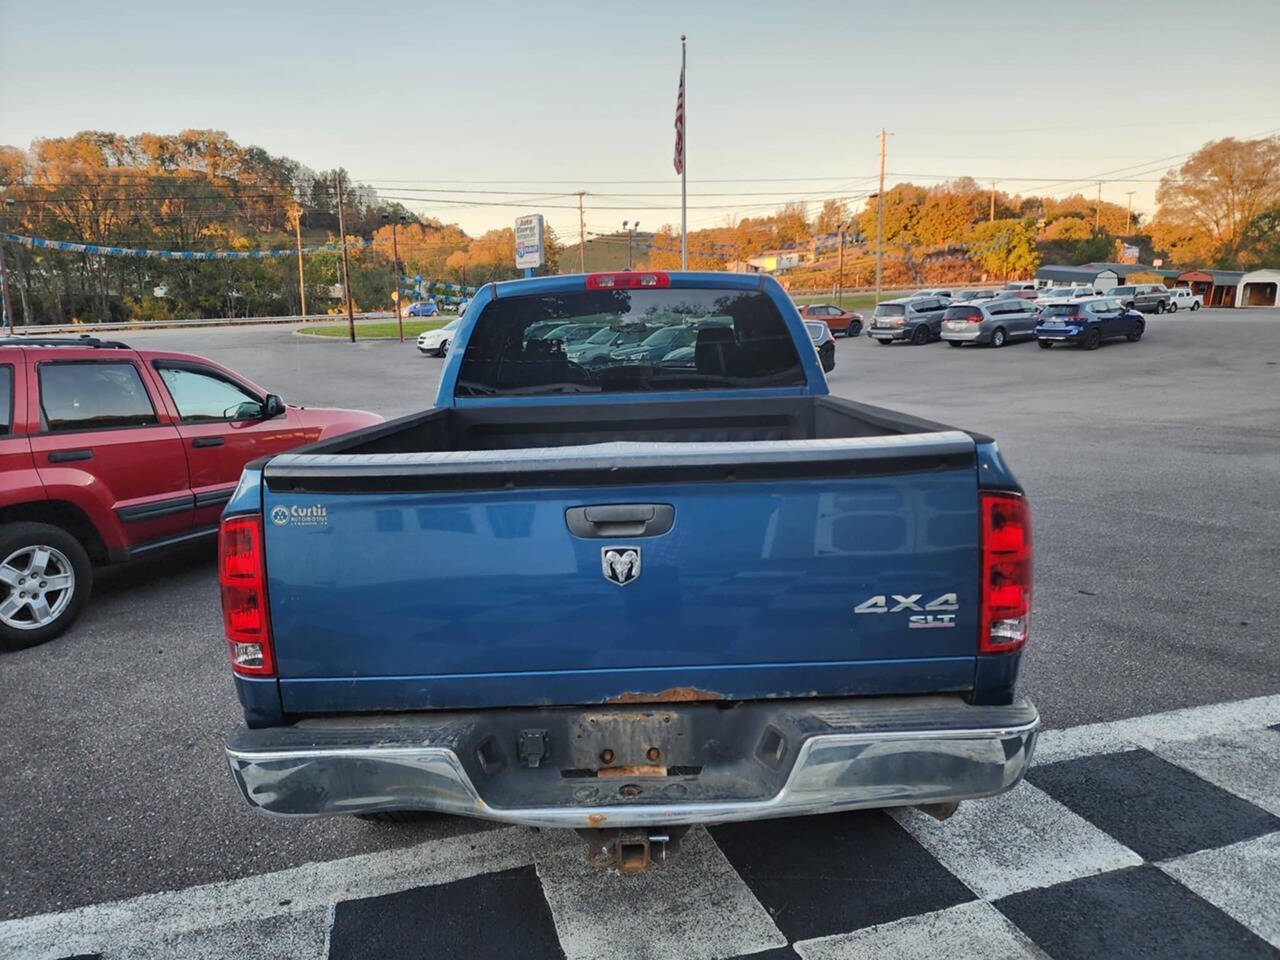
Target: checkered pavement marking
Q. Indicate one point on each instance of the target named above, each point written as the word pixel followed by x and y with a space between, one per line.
pixel 1151 836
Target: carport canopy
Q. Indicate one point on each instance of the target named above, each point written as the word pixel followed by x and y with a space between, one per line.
pixel 1259 288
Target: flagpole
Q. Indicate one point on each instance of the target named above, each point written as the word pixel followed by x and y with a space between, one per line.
pixel 684 171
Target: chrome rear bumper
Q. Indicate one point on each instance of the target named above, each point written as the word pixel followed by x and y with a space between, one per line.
pixel 867 767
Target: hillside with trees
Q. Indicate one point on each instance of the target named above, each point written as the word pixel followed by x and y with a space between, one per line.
pixel 199 190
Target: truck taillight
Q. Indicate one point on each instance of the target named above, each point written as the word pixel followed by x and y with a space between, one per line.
pixel 242 576
pixel 1006 572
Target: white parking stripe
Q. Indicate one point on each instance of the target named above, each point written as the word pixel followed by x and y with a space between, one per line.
pixel 1242 880
pixel 1016 841
pixel 157 917
pixel 1215 719
pixel 1030 841
pixel 1246 764
pixel 299 936
pixel 974 931
pixel 697 908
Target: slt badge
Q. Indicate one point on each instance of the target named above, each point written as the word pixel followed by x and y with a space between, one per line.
pixel 930 616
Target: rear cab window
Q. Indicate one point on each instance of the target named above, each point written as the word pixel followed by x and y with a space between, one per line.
pixel 696 339
pixel 90 395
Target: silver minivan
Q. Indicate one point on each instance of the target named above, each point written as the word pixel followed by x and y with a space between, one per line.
pixel 993 322
pixel 916 320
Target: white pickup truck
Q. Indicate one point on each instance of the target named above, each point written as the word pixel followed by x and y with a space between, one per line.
pixel 1182 298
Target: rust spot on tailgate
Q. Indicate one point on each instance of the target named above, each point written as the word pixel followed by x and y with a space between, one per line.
pixel 670 695
pixel 636 770
pixel 595 819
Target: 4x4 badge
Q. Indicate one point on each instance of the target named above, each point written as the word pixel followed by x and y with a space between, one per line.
pixel 621 565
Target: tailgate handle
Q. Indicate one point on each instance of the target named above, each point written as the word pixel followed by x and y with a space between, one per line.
pixel 620 520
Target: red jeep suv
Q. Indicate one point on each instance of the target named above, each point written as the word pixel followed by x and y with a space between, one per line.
pixel 108 453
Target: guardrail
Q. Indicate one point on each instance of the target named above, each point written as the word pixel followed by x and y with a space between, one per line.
pixel 43 329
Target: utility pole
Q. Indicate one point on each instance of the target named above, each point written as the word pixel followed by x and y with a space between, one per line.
pixel 993 202
pixel 582 237
pixel 346 269
pixel 4 271
pixel 297 232
pixel 1128 219
pixel 1097 210
pixel 880 218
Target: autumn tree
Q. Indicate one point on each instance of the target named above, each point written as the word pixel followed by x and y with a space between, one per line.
pixel 1212 198
pixel 1005 248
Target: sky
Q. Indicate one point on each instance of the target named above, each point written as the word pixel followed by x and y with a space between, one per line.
pixel 541 100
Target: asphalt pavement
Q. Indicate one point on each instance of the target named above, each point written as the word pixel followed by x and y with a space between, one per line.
pixel 1153 471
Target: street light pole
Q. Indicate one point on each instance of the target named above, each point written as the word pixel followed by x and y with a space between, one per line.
pixel 840 269
pixel 880 218
pixel 302 283
pixel 346 269
pixel 395 274
pixel 4 271
pixel 631 236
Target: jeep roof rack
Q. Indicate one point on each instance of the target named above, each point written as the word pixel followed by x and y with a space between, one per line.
pixel 84 340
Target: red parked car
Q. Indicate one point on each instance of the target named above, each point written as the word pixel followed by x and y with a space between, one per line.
pixel 837 320
pixel 108 453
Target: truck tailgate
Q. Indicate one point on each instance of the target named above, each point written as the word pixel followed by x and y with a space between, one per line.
pixel 789 569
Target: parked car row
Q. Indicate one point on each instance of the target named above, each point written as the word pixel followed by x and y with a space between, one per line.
pixel 1070 315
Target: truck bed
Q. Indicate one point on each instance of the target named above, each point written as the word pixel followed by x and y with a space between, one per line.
pixel 696 420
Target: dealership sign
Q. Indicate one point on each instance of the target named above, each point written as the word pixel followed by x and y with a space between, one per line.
pixel 529 244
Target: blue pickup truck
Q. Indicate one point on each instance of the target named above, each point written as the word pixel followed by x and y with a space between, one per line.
pixel 630 597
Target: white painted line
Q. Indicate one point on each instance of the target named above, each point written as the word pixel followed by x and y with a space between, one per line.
pixel 697 907
pixel 1246 764
pixel 972 931
pixel 1189 723
pixel 682 890
pixel 298 936
pixel 1242 880
pixel 157 917
pixel 1016 841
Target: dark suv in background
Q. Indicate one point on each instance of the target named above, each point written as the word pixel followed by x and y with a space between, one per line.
pixel 1147 297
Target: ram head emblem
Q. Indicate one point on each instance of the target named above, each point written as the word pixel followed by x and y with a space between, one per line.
pixel 621 565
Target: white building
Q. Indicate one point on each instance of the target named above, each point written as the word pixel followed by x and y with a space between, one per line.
pixel 1259 288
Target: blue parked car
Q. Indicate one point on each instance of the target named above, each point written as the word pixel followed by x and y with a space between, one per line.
pixel 1088 322
pixel 423 308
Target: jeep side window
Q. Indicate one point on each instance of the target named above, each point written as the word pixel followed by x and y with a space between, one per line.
pixel 87 395
pixel 6 400
pixel 202 396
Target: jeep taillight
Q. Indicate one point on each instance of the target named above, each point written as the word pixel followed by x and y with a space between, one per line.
pixel 242 576
pixel 1006 572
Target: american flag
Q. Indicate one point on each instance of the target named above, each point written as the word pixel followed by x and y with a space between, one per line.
pixel 680 124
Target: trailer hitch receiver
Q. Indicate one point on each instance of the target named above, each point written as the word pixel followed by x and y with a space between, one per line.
pixel 632 851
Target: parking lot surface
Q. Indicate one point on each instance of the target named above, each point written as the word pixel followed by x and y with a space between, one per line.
pixel 1153 474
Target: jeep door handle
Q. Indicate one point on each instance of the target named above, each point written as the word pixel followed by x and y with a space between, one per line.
pixel 620 520
pixel 67 456
pixel 207 442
